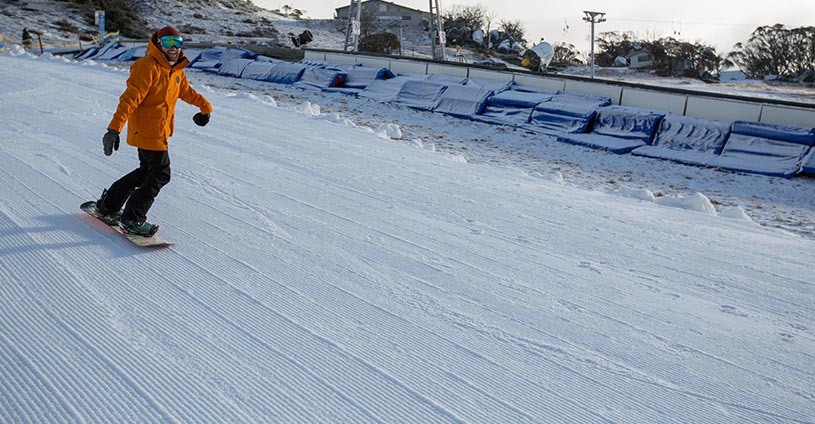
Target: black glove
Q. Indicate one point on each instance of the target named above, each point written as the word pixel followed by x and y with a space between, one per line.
pixel 110 141
pixel 201 119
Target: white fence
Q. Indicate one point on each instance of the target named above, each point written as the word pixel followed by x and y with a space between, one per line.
pixel 697 105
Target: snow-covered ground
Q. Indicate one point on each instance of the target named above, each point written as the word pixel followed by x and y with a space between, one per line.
pixel 788 204
pixel 324 271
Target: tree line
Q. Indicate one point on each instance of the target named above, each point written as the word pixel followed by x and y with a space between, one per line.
pixel 771 51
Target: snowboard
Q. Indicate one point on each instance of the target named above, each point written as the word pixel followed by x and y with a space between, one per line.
pixel 141 241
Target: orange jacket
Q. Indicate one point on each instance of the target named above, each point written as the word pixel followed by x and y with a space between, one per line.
pixel 148 102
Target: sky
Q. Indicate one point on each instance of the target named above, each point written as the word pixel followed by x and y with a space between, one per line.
pixel 326 269
pixel 718 23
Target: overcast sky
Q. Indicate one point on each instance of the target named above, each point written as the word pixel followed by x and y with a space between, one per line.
pixel 720 23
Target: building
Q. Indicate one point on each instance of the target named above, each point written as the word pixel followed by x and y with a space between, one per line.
pixel 640 59
pixel 388 11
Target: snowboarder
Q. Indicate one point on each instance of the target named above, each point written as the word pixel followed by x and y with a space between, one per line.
pixel 147 105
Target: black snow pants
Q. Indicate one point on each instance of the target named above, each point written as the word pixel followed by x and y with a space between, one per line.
pixel 140 187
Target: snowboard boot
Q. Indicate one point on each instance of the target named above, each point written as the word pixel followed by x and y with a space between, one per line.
pixel 138 228
pixel 104 214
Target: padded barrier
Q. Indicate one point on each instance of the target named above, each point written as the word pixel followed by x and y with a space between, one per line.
pixel 323 64
pixel 421 95
pixel 387 91
pixel 687 140
pixel 320 78
pixel 590 99
pixel 556 117
pixel 361 77
pixel 809 164
pixel 618 129
pixel 101 53
pixel 87 54
pixel 565 113
pixel 208 59
pixel 258 70
pixel 462 101
pixel 446 79
pixel 512 107
pixel 766 149
pixel 235 53
pixel 521 98
pixel 234 68
pixel 134 53
pixel 496 86
pixel 285 73
pixel 111 54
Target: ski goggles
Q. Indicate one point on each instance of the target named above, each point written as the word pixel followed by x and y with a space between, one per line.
pixel 170 41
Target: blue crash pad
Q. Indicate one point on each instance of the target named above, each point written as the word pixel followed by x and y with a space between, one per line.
pixel 234 68
pixel 87 54
pixel 257 71
pixel 212 58
pixel 320 78
pixel 598 101
pixel 285 72
pixel 419 94
pixel 528 99
pixel 496 86
pixel 387 91
pixel 557 117
pixel 570 113
pixel 235 53
pixel 809 163
pixel 446 79
pixel 618 129
pixel 687 140
pixel 208 59
pixel 100 52
pixel 112 53
pixel 361 77
pixel 138 52
pixel 512 107
pixel 462 101
pixel 766 149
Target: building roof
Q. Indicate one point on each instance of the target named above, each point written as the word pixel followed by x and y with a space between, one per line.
pixel 383 1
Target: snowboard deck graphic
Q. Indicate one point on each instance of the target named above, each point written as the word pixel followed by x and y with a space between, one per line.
pixel 141 241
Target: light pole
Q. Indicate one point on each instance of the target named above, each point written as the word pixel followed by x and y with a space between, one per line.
pixel 352 31
pixel 438 36
pixel 593 18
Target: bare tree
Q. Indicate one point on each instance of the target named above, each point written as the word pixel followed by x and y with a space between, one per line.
pixel 514 30
pixel 368 22
pixel 566 53
pixel 460 21
pixel 471 16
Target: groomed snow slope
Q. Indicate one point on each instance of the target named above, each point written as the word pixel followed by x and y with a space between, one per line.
pixel 324 273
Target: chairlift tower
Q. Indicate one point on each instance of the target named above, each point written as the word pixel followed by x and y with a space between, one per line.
pixel 593 18
pixel 352 30
pixel 437 37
